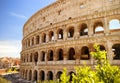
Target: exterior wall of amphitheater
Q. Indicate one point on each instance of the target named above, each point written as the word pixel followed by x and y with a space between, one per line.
pixel 62 35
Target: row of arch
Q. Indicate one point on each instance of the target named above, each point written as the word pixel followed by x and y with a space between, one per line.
pixel 34 75
pixel 70 32
pixel 72 54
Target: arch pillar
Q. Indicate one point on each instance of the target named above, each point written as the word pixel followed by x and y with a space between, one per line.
pixel 91 49
pixel 54 75
pixel 38 77
pixel 47 37
pixel 65 56
pixel 77 55
pixel 110 54
pixel 32 79
pixel 106 26
pixel 33 57
pixel 46 57
pixel 45 75
pixel 90 28
pixel 39 39
pixel 55 35
pixel 39 54
pixel 64 32
pixel 27 74
pixel 27 43
pixel 25 57
pixel 76 27
pixel 34 40
pixel 30 41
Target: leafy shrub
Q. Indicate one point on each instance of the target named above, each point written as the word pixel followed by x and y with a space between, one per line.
pixel 2 80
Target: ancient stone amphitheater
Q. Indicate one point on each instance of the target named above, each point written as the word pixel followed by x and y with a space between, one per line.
pixel 62 35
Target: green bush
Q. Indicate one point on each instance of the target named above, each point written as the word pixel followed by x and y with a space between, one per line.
pixel 2 80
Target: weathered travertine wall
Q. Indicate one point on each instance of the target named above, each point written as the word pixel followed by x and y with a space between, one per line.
pixel 63 33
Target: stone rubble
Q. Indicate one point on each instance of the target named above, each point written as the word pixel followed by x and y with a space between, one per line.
pixel 15 78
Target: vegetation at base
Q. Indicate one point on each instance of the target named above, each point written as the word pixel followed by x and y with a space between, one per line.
pixel 104 72
pixel 12 70
pixel 2 80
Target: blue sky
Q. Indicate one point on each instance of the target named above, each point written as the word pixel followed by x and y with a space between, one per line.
pixel 13 15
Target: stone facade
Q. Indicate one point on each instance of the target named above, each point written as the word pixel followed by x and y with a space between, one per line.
pixel 62 35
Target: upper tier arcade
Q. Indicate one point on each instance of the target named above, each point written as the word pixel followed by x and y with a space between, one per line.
pixel 63 10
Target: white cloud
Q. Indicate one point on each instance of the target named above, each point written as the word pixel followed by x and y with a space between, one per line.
pixel 18 15
pixel 10 48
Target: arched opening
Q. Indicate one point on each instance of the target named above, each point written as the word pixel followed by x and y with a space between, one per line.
pixel 37 39
pixel 28 42
pixel 60 34
pixel 85 53
pixel 32 41
pixel 114 24
pixel 60 54
pixel 83 29
pixel 70 32
pixel 71 54
pixel 71 77
pixel 42 56
pixel 102 47
pixel 42 75
pixel 116 50
pixel 30 75
pixel 58 75
pixel 36 57
pixel 35 75
pixel 44 38
pixel 49 75
pixel 98 28
pixel 50 56
pixel 51 36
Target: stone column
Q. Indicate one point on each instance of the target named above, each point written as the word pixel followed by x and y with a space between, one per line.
pixel 106 26
pixel 110 54
pixel 26 43
pixel 34 40
pixel 29 57
pixel 47 37
pixel 32 76
pixel 91 49
pixel 39 39
pixel 46 75
pixel 77 55
pixel 90 28
pixel 65 56
pixel 54 75
pixel 27 75
pixel 64 32
pixel 33 57
pixel 39 55
pixel 46 55
pixel 76 34
pixel 30 41
pixel 55 55
pixel 55 35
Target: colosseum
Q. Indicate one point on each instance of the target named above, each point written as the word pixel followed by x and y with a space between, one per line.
pixel 62 34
